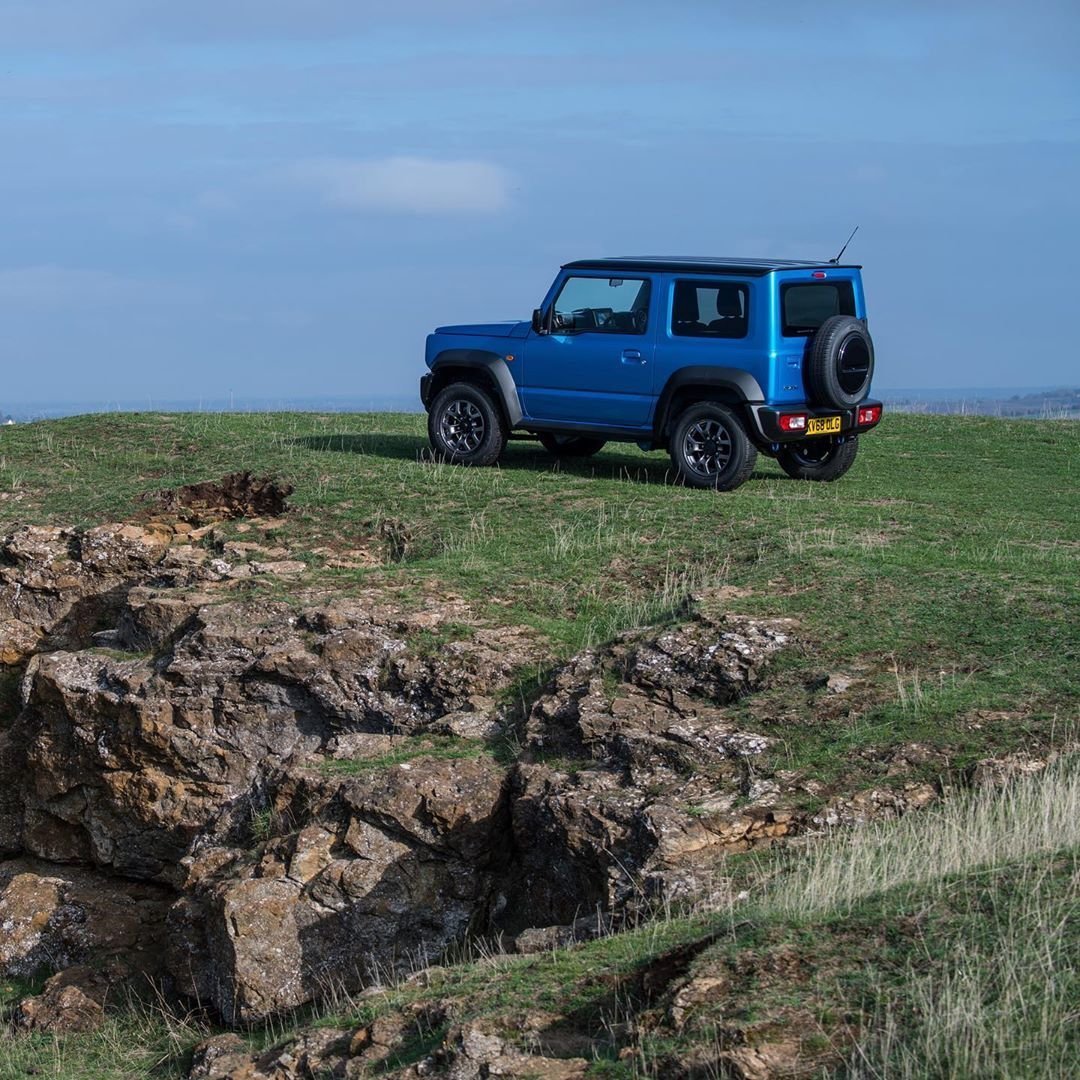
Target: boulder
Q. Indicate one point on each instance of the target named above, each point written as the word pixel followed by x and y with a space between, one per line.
pixel 52 917
pixel 400 868
pixel 129 760
pixel 59 586
pixel 72 1001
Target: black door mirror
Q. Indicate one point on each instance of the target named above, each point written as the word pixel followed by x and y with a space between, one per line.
pixel 538 321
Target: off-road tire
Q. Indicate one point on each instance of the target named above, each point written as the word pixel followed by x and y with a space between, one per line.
pixel 817 459
pixel 465 426
pixel 709 447
pixel 840 363
pixel 571 446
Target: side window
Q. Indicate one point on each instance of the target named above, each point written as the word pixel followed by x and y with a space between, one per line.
pixel 806 307
pixel 714 309
pixel 607 305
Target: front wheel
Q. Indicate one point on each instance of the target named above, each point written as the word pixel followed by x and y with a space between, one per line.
pixel 570 446
pixel 710 448
pixel 817 459
pixel 465 426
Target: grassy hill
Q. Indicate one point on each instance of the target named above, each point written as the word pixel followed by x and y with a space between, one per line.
pixel 940 575
pixel 942 571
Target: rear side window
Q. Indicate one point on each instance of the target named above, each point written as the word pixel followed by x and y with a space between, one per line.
pixel 709 309
pixel 806 307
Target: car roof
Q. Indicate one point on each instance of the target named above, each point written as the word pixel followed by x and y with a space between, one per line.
pixel 704 265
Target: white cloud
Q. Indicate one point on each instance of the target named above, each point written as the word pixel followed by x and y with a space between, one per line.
pixel 410 185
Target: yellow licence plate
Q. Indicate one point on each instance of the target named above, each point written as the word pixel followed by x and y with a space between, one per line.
pixel 823 425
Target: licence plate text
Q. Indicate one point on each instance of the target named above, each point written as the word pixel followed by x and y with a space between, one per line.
pixel 823 425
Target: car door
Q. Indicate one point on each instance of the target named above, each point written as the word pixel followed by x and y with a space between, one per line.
pixel 595 366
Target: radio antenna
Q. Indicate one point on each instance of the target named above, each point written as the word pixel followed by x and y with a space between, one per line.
pixel 844 248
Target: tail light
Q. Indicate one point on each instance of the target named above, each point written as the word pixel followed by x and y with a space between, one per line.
pixel 793 421
pixel 869 414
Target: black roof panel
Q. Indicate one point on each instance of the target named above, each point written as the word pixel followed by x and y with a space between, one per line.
pixel 704 265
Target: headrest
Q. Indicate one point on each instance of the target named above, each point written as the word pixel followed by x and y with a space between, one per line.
pixel 685 305
pixel 728 301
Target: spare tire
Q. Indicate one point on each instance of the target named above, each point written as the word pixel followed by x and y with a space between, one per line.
pixel 840 362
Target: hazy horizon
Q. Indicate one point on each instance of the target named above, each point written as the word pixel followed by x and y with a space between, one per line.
pixel 980 399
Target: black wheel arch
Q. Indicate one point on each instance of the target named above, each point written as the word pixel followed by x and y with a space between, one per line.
pixel 730 386
pixel 485 369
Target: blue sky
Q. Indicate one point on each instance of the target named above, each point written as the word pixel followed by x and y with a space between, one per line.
pixel 281 199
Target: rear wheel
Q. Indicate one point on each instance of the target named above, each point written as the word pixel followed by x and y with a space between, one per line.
pixel 818 459
pixel 570 446
pixel 710 449
pixel 465 426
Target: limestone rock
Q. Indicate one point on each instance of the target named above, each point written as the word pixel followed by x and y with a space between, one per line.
pixel 223 1057
pixel 769 1061
pixel 875 804
pixel 404 871
pixel 58 586
pixel 839 684
pixel 718 659
pixel 475 1052
pixel 52 917
pixel 71 1001
pixel 997 772
pixel 136 758
pixel 12 766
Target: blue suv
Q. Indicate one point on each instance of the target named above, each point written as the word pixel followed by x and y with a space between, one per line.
pixel 713 360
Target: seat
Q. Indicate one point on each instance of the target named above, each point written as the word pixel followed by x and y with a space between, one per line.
pixel 732 320
pixel 685 314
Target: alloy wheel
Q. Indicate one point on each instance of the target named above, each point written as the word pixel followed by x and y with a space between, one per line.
pixel 707 447
pixel 462 426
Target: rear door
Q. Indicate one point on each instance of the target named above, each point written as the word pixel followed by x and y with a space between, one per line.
pixel 595 367
pixel 712 322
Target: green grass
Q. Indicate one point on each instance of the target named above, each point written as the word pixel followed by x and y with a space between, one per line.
pixel 941 574
pixel 135 1044
pixel 410 748
pixel 942 571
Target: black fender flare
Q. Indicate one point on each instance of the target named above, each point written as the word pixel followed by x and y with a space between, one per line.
pixel 734 381
pixel 494 367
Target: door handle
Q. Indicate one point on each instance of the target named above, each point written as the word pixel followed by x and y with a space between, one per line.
pixel 632 356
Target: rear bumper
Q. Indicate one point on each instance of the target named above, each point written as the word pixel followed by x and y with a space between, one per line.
pixel 766 420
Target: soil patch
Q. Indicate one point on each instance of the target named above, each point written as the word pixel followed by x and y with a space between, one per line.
pixel 239 494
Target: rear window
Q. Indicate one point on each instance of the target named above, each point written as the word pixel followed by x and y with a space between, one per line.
pixel 806 307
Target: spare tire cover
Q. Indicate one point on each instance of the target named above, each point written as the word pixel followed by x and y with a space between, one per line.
pixel 840 362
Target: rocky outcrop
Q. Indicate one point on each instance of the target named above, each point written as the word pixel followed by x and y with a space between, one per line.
pixel 621 754
pixel 59 586
pixel 307 795
pixel 400 866
pixel 471 1051
pixel 129 761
